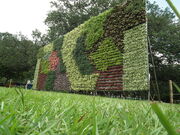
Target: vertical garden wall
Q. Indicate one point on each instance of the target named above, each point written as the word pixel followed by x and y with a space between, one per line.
pixel 108 52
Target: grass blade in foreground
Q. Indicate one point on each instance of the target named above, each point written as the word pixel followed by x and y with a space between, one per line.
pixel 176 86
pixel 162 118
pixel 173 8
pixel 62 113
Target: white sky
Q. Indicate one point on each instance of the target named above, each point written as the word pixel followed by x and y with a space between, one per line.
pixel 27 15
pixel 23 16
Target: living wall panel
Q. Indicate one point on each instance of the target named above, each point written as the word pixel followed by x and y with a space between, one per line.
pixel 135 59
pixel 36 74
pixel 61 81
pixel 107 52
pixel 78 81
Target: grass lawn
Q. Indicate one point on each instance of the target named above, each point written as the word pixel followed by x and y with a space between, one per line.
pixel 71 114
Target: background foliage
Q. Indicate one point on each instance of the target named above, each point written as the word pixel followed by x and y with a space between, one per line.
pixel 164 35
pixel 17 57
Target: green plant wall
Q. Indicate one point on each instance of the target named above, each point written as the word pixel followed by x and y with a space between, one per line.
pixel 135 59
pixel 90 55
pixel 57 46
pixel 82 61
pixel 44 54
pixel 106 55
pixel 45 51
pixel 94 29
pixel 36 73
pixel 78 81
pixel 49 84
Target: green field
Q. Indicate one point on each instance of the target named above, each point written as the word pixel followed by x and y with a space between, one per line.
pixel 69 114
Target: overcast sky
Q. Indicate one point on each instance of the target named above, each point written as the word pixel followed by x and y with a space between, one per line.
pixel 26 15
pixel 23 16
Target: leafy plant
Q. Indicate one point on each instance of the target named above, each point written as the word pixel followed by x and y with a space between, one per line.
pixel 106 55
pixel 94 29
pixel 135 59
pixel 78 81
pixel 81 58
pixel 44 66
pixel 49 84
pixel 45 50
pixel 125 16
pixel 57 44
pixel 58 47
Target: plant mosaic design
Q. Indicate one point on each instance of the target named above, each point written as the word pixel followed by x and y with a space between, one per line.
pixel 108 52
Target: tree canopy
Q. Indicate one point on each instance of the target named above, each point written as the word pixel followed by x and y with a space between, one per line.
pixel 17 56
pixel 39 39
pixel 164 35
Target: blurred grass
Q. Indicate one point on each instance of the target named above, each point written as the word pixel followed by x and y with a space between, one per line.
pixel 176 86
pixel 164 121
pixel 70 114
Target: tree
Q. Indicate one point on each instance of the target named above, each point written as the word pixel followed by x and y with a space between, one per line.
pixel 68 14
pixel 17 56
pixel 39 38
pixel 164 35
